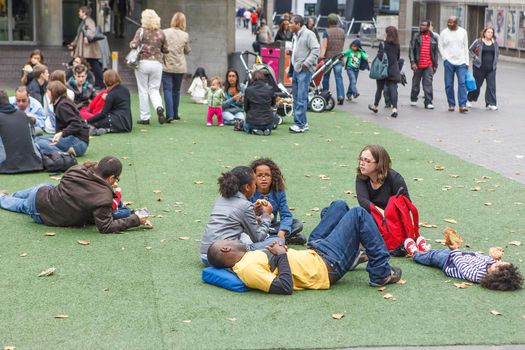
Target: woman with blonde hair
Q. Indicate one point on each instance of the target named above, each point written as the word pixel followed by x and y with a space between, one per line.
pixel 149 71
pixel 174 64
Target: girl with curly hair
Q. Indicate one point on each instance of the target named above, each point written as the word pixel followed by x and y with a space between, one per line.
pixel 271 187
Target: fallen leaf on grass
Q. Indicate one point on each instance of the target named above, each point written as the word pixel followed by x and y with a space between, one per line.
pixel 380 289
pixel 315 209
pixel 184 238
pixel 349 192
pixel 455 176
pixel 496 313
pixel 462 285
pixel 198 182
pixel 105 290
pixel 157 191
pixel 50 234
pixel 186 321
pixel 143 130
pixel 446 188
pixel 23 254
pixel 476 189
pixel 292 208
pixel 83 242
pixel 308 214
pixel 324 177
pixel 401 282
pixel 233 319
pixel 516 243
pixel 9 347
pixel 329 140
pixel 389 296
pixel 518 203
pixel 338 316
pixel 58 178
pixel 486 177
pixel 149 248
pixel 450 221
pixel 47 272
pixel 427 225
pixel 418 179
pixel 439 167
pixel 487 204
pixel 61 317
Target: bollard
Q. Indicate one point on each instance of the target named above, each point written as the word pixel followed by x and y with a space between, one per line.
pixel 114 61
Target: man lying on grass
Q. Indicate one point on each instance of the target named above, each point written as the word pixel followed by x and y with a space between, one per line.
pixel 84 196
pixel 333 250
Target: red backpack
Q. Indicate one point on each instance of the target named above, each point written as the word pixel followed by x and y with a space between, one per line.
pixel 401 221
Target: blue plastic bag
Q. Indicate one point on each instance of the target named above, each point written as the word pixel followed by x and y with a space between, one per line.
pixel 470 82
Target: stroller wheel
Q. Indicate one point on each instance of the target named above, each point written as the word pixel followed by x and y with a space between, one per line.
pixel 330 104
pixel 317 104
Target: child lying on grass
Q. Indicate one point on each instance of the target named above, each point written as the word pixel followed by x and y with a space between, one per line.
pixel 489 271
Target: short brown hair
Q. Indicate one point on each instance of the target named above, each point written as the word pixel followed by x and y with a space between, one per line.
pixel 111 78
pixel 56 89
pixel 58 75
pixel 80 69
pixel 86 10
pixel 383 160
pixel 178 21
pixel 38 70
pixel 258 75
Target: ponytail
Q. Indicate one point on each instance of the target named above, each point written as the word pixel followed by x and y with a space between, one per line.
pixel 231 182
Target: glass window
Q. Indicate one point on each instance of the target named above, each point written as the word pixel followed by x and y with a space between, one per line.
pixel 22 15
pixel 4 21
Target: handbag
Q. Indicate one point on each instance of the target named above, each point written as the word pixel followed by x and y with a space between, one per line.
pixel 132 59
pixel 379 67
pixel 470 82
pixel 99 35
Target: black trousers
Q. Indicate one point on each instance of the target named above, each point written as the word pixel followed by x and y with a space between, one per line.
pixel 427 75
pixel 481 74
pixel 96 67
pixel 392 91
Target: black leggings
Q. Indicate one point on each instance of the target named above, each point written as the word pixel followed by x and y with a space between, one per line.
pixel 391 88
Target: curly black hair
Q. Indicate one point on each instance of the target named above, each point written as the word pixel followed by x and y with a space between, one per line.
pixel 231 182
pixel 505 277
pixel 278 184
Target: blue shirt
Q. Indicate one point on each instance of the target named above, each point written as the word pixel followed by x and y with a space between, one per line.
pixel 34 108
pixel 280 206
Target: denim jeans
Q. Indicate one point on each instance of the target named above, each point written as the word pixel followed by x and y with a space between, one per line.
pixel 297 227
pixel 337 237
pixel 229 118
pixel 23 202
pixel 250 127
pixel 44 142
pixel 338 72
pixel 460 72
pixel 300 85
pixel 171 83
pixel 263 244
pixel 121 212
pixel 352 78
pixel 427 74
pixel 434 257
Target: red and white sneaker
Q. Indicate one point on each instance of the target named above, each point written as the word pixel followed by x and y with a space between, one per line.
pixel 410 246
pixel 422 244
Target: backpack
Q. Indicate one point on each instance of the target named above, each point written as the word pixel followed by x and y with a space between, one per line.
pixel 379 67
pixel 56 162
pixel 401 221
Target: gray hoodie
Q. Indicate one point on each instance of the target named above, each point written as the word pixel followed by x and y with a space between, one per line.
pixel 305 50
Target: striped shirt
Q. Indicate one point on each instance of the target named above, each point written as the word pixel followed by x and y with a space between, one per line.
pixel 469 266
pixel 425 58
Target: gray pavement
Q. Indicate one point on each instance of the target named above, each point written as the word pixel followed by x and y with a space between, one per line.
pixel 493 139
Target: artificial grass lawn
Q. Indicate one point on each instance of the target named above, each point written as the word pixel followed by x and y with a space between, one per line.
pixel 142 289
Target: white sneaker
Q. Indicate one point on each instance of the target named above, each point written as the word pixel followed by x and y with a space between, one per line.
pixel 469 105
pixel 413 103
pixel 429 106
pixel 296 129
pixel 492 107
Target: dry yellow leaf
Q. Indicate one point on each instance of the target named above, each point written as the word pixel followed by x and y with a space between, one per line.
pixel 439 167
pixel 455 176
pixel 450 221
pixel 487 204
pixel 476 189
pixel 427 225
pixel 338 316
pixel 61 317
pixel 516 243
pixel 496 313
pixel 462 285
pixel 157 191
pixel 401 282
pixel 47 272
pixel 380 289
pixel 149 248
pixel 50 234
pixel 418 179
pixel 233 319
pixel 186 321
pixel 23 254
pixel 315 209
pixel 292 208
pixel 388 296
pixel 184 238
pixel 9 347
pixel 83 242
pixel 198 182
pixel 58 178
pixel 349 192
pixel 324 177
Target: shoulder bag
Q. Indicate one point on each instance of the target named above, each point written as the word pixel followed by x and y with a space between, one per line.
pixel 379 67
pixel 132 59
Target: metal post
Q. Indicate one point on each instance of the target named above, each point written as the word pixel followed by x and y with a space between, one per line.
pixel 114 61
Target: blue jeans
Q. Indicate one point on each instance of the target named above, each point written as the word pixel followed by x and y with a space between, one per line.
pixel 461 72
pixel 434 257
pixel 300 84
pixel 171 83
pixel 229 118
pixel 44 142
pixel 352 77
pixel 337 237
pixel 23 202
pixel 121 212
pixel 338 72
pixel 263 244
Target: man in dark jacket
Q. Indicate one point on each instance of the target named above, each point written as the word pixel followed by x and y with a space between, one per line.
pixel 258 101
pixel 18 153
pixel 84 196
pixel 423 54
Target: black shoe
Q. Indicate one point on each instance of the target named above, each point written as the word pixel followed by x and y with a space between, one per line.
pixel 298 239
pixel 372 108
pixel 356 95
pixel 176 117
pixel 340 101
pixel 169 120
pixel 349 97
pixel 394 115
pixel 394 277
pixel 160 114
pixel 143 122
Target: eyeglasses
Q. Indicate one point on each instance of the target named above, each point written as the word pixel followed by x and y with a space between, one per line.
pixel 366 160
pixel 267 176
pixel 117 179
pixel 22 100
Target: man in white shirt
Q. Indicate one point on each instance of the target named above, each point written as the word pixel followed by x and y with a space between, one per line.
pixel 31 107
pixel 453 46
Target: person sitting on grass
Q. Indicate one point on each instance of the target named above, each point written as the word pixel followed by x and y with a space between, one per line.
pixel 233 216
pixel 258 101
pixel 489 271
pixel 333 250
pixel 84 91
pixel 271 187
pixel 84 196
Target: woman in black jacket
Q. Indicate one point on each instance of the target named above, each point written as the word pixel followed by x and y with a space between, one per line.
pixel 116 113
pixel 258 101
pixel 393 51
pixel 72 132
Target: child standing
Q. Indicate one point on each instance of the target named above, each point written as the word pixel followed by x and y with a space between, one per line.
pixel 489 271
pixel 356 59
pixel 198 86
pixel 215 97
pixel 270 186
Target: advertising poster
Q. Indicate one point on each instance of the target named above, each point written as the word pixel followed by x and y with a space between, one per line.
pixel 521 30
pixel 500 27
pixel 510 39
pixel 489 18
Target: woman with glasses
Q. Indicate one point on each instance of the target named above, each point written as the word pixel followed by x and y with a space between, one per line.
pixel 376 181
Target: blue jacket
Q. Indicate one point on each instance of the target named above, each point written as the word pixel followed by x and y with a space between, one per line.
pixel 280 206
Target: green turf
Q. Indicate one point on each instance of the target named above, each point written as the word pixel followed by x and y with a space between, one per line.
pixel 135 290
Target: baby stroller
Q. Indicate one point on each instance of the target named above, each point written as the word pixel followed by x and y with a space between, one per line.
pixel 284 103
pixel 320 100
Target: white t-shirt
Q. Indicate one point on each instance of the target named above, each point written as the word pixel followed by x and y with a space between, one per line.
pixel 453 46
